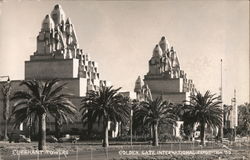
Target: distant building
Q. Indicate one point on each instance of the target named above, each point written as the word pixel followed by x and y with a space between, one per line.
pixel 165 78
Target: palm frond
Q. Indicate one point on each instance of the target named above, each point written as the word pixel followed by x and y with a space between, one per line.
pixel 42 97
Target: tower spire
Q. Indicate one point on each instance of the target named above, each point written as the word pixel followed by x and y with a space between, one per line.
pixel 58 15
pixel 157 52
pixel 164 44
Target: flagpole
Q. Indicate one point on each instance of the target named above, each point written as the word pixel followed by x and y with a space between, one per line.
pixel 222 121
pixel 236 115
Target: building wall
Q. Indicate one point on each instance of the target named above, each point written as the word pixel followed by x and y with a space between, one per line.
pixel 49 69
pixel 72 86
pixel 15 85
pixel 75 86
pixel 165 85
pixel 172 97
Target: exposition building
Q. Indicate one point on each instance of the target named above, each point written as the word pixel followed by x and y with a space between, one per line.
pixel 165 79
pixel 58 56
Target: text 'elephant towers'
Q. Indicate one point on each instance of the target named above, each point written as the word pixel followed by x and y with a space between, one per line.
pixel 165 78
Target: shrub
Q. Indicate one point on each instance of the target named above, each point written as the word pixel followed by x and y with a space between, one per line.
pixel 134 138
pixel 74 131
pixel 93 136
pixel 168 137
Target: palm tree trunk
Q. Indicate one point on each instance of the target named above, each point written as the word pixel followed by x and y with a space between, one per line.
pixel 151 131
pixel 202 134
pixel 121 129
pixel 33 129
pixel 89 127
pixel 89 123
pixel 155 135
pixel 105 135
pixel 42 132
pixel 5 130
pixel 58 127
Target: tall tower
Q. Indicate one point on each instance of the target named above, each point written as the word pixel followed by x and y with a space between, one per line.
pixel 143 93
pixel 58 56
pixel 138 88
pixel 234 117
pixel 165 78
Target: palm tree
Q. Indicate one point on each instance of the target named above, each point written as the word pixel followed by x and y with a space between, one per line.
pixel 128 103
pixel 41 100
pixel 104 105
pixel 155 112
pixel 61 117
pixel 188 124
pixel 205 110
pixel 139 128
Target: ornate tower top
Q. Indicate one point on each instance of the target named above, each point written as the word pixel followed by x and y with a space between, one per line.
pixel 165 78
pixel 58 56
pixel 138 84
pixel 57 37
pixel 68 21
pixel 157 52
pixel 164 62
pixel 58 14
pixel 164 43
pixel 47 23
pixel 142 90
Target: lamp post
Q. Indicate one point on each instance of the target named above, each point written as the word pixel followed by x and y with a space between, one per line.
pixel 131 125
pixel 6 104
pixel 222 119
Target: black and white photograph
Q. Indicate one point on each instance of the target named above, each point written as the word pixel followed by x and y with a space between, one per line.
pixel 124 80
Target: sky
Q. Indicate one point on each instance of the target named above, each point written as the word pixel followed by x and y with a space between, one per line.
pixel 120 37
